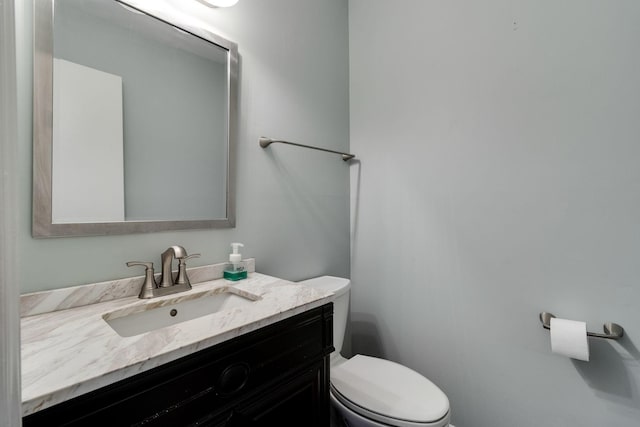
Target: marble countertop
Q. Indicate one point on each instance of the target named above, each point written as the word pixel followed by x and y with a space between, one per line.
pixel 72 351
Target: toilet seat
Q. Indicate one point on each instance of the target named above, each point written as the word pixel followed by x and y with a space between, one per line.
pixel 389 393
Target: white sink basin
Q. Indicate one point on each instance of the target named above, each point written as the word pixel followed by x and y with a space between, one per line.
pixel 156 314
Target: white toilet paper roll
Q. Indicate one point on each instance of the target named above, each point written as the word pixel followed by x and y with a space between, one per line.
pixel 569 338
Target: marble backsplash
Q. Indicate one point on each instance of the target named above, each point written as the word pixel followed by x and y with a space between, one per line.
pixel 64 298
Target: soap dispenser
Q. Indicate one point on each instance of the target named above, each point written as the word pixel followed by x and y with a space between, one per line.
pixel 235 270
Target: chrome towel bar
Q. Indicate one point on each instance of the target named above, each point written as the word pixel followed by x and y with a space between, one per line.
pixel 265 142
pixel 612 331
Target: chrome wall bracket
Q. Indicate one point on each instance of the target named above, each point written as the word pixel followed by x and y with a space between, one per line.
pixel 612 331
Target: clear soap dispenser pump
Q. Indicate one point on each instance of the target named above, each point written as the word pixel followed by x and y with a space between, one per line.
pixel 235 269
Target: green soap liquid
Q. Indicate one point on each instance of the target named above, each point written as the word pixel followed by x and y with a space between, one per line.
pixel 235 275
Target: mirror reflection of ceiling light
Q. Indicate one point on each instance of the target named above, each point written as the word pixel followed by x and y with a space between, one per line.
pixel 218 3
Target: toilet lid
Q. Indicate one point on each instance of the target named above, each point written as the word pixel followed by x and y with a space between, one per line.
pixel 389 389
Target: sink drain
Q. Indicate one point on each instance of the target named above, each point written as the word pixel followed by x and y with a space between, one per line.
pixel 173 312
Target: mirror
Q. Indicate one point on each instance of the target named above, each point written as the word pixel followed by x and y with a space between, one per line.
pixel 134 121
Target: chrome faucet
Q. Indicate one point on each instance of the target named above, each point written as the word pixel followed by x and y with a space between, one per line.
pixel 167 285
pixel 167 257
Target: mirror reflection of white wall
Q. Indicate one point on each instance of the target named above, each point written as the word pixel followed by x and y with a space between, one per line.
pixel 88 162
pixel 174 104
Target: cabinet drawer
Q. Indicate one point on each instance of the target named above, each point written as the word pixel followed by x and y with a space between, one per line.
pixel 208 382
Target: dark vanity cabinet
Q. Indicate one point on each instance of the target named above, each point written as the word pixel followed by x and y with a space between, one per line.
pixel 275 376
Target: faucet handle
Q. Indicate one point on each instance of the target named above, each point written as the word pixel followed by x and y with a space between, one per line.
pixel 149 281
pixel 182 278
pixel 142 263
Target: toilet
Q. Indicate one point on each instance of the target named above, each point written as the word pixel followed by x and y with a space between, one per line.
pixel 371 392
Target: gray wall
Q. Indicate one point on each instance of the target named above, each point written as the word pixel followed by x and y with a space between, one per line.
pixel 499 143
pixel 292 204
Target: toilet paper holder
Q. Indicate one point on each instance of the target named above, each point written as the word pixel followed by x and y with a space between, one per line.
pixel 612 331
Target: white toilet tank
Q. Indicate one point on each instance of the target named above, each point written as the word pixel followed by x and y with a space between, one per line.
pixel 340 287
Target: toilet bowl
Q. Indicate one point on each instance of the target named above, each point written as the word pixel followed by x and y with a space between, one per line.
pixel 369 391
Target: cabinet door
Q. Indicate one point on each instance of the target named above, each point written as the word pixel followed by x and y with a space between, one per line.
pixel 301 401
